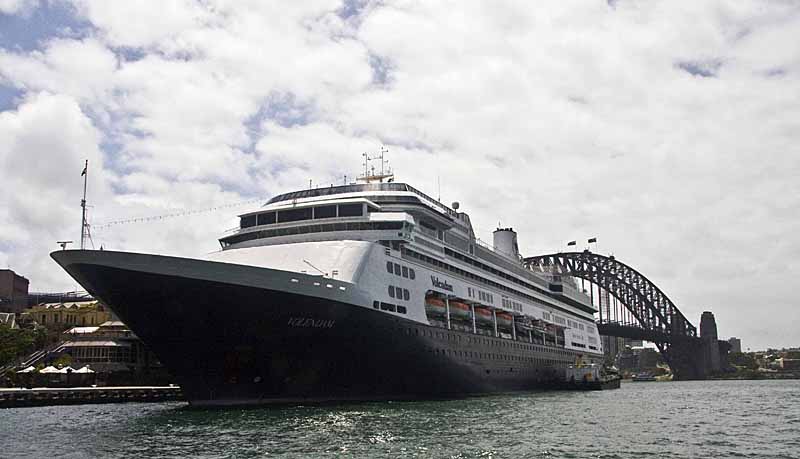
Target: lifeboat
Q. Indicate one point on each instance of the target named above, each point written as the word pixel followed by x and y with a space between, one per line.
pixel 483 316
pixel 504 320
pixel 435 306
pixel 459 310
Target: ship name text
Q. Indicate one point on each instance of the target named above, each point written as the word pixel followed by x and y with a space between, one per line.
pixel 441 284
pixel 308 322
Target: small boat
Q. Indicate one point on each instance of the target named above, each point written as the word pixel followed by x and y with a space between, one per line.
pixel 435 306
pixel 459 310
pixel 504 320
pixel 589 377
pixel 643 377
pixel 483 316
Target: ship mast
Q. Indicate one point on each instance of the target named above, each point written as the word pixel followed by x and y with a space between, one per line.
pixel 85 175
pixel 370 174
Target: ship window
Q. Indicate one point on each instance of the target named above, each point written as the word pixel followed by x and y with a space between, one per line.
pixel 401 309
pixel 324 212
pixel 267 218
pixel 375 304
pixel 405 271
pixel 294 215
pixel 389 267
pixel 248 221
pixel 406 294
pixel 411 273
pixel 397 269
pixel 387 307
pixel 391 291
pixel 351 210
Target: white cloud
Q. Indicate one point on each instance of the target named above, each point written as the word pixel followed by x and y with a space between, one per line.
pixel 667 130
pixel 18 6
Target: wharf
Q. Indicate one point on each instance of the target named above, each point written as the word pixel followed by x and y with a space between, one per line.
pixel 46 396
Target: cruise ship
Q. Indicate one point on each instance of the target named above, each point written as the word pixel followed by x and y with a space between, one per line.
pixel 367 291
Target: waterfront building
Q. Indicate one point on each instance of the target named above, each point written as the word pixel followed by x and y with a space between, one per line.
pixel 62 315
pixel 108 348
pixel 13 291
pixel 736 345
pixel 612 346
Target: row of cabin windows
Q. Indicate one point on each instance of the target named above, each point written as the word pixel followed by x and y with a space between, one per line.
pixel 578 344
pixel 442 265
pixel 399 293
pixel 486 297
pixel 404 271
pixel 321 228
pixel 389 307
pixel 489 269
pixel 494 342
pixel 302 213
pixel 506 357
pixel 517 306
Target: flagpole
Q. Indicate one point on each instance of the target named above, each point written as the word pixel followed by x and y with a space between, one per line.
pixel 85 175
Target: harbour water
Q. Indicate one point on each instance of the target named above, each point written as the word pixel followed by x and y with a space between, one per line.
pixel 757 419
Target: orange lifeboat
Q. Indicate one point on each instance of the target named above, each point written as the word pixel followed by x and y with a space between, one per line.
pixel 459 310
pixel 504 320
pixel 435 306
pixel 483 316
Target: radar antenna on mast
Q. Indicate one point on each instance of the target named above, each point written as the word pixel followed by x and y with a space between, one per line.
pixel 370 174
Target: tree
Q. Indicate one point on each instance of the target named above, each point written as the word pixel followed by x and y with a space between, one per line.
pixel 18 343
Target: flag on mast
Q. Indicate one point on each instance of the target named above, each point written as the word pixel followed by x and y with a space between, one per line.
pixel 84 168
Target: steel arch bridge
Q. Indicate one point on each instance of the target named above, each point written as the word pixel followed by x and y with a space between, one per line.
pixel 644 312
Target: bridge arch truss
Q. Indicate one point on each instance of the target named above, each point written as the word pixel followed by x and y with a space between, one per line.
pixel 656 316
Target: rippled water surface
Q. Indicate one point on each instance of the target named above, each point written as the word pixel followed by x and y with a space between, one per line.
pixel 758 419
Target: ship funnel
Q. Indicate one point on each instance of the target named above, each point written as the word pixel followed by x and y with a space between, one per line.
pixel 505 242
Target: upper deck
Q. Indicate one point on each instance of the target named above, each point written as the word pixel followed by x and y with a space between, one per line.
pixel 390 213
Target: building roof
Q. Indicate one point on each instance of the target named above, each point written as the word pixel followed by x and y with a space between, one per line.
pixel 81 330
pixel 98 343
pixel 68 305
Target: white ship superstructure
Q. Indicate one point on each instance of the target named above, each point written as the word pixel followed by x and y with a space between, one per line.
pixel 400 248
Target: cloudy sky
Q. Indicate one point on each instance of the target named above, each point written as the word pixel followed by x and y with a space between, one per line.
pixel 668 130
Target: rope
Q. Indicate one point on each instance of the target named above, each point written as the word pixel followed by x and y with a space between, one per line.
pixel 153 218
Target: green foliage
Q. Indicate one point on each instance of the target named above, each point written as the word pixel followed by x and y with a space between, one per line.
pixel 746 361
pixel 19 343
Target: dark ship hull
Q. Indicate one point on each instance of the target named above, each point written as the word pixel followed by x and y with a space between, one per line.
pixel 228 343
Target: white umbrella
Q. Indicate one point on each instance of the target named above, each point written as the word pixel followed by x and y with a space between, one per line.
pixel 50 369
pixel 83 370
pixel 66 369
pixel 27 370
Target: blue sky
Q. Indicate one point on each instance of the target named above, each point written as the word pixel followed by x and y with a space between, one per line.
pixel 668 130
